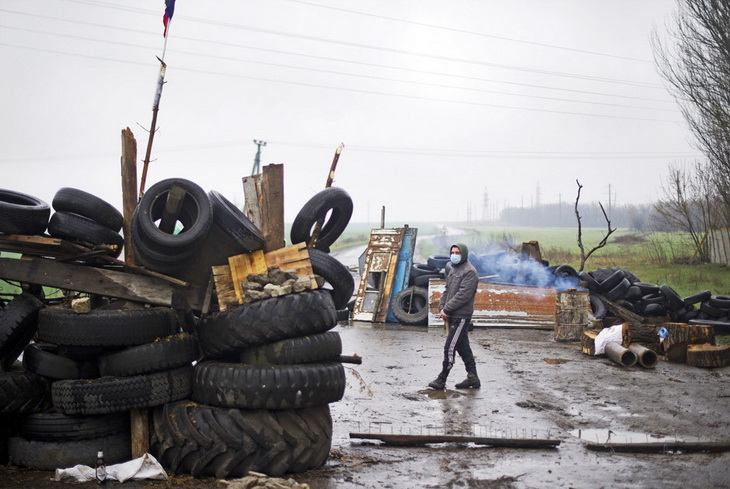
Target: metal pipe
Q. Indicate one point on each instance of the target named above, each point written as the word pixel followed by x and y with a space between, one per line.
pixel 647 358
pixel 623 356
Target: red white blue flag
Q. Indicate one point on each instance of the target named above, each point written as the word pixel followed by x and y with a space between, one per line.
pixel 169 10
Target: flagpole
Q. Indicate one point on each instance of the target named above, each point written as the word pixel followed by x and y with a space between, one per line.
pixel 155 109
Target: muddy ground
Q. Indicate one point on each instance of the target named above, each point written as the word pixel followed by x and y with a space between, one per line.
pixel 532 386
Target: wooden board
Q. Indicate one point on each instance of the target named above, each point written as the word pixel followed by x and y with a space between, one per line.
pixel 102 281
pixel 228 278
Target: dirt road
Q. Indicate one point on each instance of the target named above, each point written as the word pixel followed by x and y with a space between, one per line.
pixel 532 386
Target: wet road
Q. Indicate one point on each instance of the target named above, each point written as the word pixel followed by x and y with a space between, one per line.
pixel 532 386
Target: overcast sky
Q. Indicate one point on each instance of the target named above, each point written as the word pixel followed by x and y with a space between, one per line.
pixel 447 109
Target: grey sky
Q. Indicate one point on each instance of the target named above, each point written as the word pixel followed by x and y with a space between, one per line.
pixel 437 102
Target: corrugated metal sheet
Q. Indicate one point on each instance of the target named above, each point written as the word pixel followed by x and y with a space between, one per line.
pixel 502 305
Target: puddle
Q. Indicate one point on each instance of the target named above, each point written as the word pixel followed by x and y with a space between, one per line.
pixel 610 436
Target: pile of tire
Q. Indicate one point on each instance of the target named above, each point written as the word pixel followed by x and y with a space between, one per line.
pixel 206 230
pixel 22 213
pixel 652 300
pixel 82 376
pixel 268 372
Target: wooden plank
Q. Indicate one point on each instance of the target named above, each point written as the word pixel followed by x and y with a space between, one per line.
pixel 173 207
pixel 383 306
pixel 660 447
pixel 272 187
pixel 99 281
pixel 224 287
pixel 129 190
pixel 252 206
pixel 411 440
pixel 241 266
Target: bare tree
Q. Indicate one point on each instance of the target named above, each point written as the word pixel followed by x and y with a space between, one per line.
pixel 697 67
pixel 688 204
pixel 583 255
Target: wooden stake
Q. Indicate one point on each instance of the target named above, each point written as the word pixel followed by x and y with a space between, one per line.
pixel 328 184
pixel 129 190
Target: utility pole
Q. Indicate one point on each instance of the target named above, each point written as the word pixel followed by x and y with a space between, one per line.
pixel 257 160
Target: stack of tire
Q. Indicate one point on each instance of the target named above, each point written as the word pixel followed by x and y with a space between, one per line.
pixel 99 365
pixel 652 300
pixel 83 218
pixel 410 305
pixel 269 371
pixel 206 231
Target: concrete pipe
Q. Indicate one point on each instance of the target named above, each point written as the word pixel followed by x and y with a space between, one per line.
pixel 647 358
pixel 619 354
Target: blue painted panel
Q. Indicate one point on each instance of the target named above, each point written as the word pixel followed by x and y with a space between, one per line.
pixel 403 267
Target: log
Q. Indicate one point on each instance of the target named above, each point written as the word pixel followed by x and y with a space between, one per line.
pixel 572 314
pixel 709 356
pixel 621 312
pixel 415 440
pixel 682 335
pixel 645 334
pixel 588 341
pixel 129 190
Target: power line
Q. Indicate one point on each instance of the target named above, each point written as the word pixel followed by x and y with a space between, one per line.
pixel 356 75
pixel 481 34
pixel 341 60
pixel 380 48
pixel 370 92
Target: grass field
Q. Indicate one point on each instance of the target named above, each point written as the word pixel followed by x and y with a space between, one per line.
pixel 661 258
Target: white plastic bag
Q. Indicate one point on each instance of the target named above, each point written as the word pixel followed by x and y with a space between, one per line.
pixel 607 335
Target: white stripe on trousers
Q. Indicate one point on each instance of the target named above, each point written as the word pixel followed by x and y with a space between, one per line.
pixel 454 340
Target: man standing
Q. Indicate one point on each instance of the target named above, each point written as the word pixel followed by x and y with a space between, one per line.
pixel 456 308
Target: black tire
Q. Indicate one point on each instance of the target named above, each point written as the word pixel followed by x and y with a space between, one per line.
pixel 633 294
pixel 656 298
pixel 334 273
pixel 164 354
pixel 235 223
pixel 103 327
pixel 410 306
pixel 266 321
pixel 591 283
pixel 74 227
pixel 720 301
pixel 565 271
pixel 333 200
pixel 167 261
pixel 196 217
pixel 224 443
pixel 23 392
pixel 418 269
pixel 610 282
pixel 647 288
pixel 719 327
pixel 597 306
pixel 18 323
pixel 51 455
pixel 118 394
pixel 243 386
pixel 43 359
pixel 85 204
pixel 22 213
pixel 343 315
pixel 438 261
pixel 619 290
pixel 674 301
pixel 654 310
pixel 697 298
pixel 712 311
pixel 422 280
pixel 53 426
pixel 304 349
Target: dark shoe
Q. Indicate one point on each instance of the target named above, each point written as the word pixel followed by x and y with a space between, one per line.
pixel 471 382
pixel 439 384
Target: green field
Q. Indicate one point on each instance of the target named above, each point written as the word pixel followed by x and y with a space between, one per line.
pixel 661 258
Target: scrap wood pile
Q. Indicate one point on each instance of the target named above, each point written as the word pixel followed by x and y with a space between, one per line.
pixel 232 385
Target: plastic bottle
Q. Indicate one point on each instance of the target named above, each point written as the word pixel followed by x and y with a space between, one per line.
pixel 100 467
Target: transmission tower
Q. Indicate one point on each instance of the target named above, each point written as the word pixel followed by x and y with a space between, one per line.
pixel 257 160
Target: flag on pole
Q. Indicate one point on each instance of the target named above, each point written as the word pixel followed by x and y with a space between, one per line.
pixel 169 11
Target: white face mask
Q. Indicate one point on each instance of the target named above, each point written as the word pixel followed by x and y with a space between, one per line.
pixel 455 259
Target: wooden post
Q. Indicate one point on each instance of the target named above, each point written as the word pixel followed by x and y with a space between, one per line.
pixel 264 195
pixel 129 190
pixel 327 184
pixel 139 418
